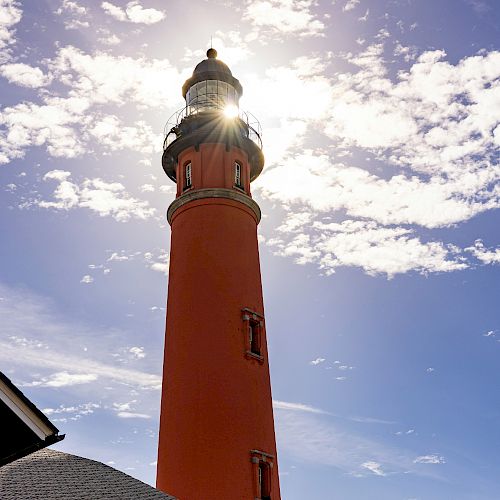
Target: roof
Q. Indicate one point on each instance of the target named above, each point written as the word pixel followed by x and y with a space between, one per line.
pixel 212 69
pixel 54 475
pixel 25 428
pixel 212 65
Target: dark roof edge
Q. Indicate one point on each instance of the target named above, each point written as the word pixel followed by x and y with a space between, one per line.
pixel 32 448
pixel 6 380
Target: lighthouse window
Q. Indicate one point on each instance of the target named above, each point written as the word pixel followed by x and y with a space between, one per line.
pixel 188 176
pixel 202 88
pixel 253 329
pixel 264 481
pixel 237 175
pixel 210 94
pixel 211 86
pixel 254 336
pixel 222 89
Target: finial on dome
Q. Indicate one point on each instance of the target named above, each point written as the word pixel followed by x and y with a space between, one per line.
pixel 211 53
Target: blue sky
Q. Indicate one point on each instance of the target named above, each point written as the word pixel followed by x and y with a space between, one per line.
pixel 379 244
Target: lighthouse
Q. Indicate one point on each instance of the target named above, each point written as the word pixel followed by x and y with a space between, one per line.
pixel 217 439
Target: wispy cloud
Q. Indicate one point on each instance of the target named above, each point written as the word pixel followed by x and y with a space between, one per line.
pixel 313 436
pixel 63 379
pixel 430 459
pixel 56 345
pixel 283 405
pixel 127 414
pixel 374 467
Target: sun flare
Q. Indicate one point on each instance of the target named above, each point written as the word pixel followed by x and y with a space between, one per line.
pixel 231 111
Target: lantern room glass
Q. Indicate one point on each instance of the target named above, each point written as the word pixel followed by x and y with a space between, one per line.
pixel 209 95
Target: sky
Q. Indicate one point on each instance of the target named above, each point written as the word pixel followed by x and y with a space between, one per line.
pixel 379 242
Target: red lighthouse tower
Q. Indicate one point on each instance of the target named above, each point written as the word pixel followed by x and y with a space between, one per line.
pixel 217 437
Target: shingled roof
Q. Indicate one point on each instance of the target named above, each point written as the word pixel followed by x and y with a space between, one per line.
pixel 53 475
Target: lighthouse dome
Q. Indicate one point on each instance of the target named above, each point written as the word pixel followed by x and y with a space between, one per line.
pixel 212 65
pixel 212 70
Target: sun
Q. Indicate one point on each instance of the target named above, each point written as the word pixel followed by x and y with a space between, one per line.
pixel 231 111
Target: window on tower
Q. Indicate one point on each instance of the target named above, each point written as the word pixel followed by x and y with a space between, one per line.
pixel 262 469
pixel 264 481
pixel 210 94
pixel 254 335
pixel 188 176
pixel 237 175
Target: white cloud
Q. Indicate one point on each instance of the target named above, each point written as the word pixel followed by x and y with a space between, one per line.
pixel 54 124
pixel 364 17
pixel 64 379
pixel 81 409
pixel 284 17
pixel 161 267
pixel 137 352
pixel 485 255
pixel 74 15
pixel 429 459
pixel 443 111
pixel 134 12
pixel 118 257
pixel 283 405
pixel 114 11
pixel 160 263
pixel 72 7
pixel 366 245
pixel 110 132
pixel 110 39
pixel 87 279
pixel 68 126
pixel 374 467
pixel 119 80
pixel 25 75
pixel 317 361
pixel 230 45
pixel 350 5
pixel 439 167
pixel 10 15
pixel 127 414
pixel 104 198
pixel 74 24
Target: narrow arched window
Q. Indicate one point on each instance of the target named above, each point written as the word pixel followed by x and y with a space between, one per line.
pixel 188 176
pixel 237 175
pixel 264 481
pixel 254 336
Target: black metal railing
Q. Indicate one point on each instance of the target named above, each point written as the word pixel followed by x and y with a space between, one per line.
pixel 252 127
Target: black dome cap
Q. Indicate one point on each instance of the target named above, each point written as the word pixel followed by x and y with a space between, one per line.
pixel 212 69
